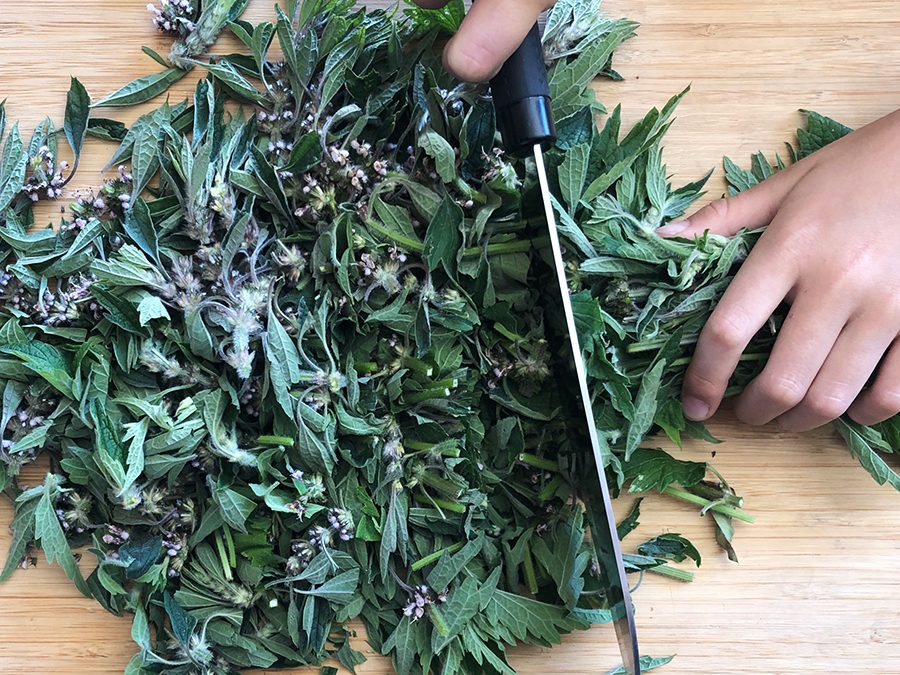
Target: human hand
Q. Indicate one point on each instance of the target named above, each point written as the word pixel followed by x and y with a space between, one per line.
pixel 831 250
pixel 490 33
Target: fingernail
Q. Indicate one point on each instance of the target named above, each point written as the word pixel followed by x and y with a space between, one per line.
pixel 695 409
pixel 672 229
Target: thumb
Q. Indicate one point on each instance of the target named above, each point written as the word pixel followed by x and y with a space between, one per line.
pixel 489 35
pixel 750 210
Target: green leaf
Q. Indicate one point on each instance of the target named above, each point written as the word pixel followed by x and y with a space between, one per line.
pixel 306 154
pixel 106 129
pixel 22 535
pixel 670 546
pixel 47 361
pixel 867 456
pixel 819 132
pixel 630 522
pixel 447 18
pixel 49 533
pixel 138 225
pixel 644 408
pixel 650 469
pixel 182 623
pixel 142 89
pixel 110 453
pixel 443 238
pixel 526 620
pixel 228 75
pixel 565 557
pixel 647 663
pixel 140 553
pixel 338 590
pixel 236 508
pixel 78 108
pixel 150 308
pixel 572 175
pixel 437 147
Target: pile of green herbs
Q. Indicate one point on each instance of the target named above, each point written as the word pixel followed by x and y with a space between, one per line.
pixel 288 367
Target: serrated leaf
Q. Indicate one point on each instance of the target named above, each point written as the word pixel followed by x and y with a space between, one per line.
pixel 651 469
pixel 52 539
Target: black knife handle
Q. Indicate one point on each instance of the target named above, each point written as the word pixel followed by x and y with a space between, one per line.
pixel 522 98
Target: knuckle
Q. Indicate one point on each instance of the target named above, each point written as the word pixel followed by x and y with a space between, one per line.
pixel 720 208
pixel 727 330
pixel 826 406
pixel 700 386
pixel 885 400
pixel 785 390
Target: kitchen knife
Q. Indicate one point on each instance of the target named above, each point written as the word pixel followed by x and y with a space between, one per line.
pixel 521 96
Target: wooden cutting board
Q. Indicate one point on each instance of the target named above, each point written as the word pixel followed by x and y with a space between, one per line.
pixel 818 588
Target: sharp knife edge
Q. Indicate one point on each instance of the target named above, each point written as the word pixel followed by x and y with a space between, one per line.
pixel 624 622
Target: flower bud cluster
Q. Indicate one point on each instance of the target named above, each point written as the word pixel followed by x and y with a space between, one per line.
pixel 174 17
pixel 67 307
pixel 109 202
pixel 74 512
pixel 46 177
pixel 345 175
pixel 422 597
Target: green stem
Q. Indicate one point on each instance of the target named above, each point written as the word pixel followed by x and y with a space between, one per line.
pixel 446 487
pixel 744 358
pixel 229 543
pixel 650 345
pixel 447 449
pixel 453 507
pixel 672 573
pixel 223 557
pixel 276 440
pixel 550 489
pixel 406 242
pixel 366 367
pixel 700 501
pixel 434 557
pixel 530 576
pixel 427 395
pixel 448 383
pixel 716 495
pixel 417 365
pixel 508 334
pixel 539 462
pixel 438 620
pixel 523 246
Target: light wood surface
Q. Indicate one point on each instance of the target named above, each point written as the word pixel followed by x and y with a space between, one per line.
pixel 817 589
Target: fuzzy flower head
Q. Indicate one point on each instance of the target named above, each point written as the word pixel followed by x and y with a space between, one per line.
pixel 173 17
pixel 422 596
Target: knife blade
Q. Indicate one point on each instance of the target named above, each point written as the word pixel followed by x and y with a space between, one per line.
pixel 524 115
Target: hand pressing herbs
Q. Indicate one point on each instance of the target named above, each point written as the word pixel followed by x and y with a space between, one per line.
pixel 828 252
pixel 288 368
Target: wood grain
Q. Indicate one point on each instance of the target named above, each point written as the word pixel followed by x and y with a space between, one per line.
pixel 817 589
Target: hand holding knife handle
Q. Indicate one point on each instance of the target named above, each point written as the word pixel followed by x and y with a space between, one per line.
pixel 522 99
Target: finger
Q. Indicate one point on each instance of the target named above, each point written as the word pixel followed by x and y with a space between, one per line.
pixel 490 33
pixel 761 284
pixel 854 357
pixel 881 401
pixel 750 210
pixel 807 337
